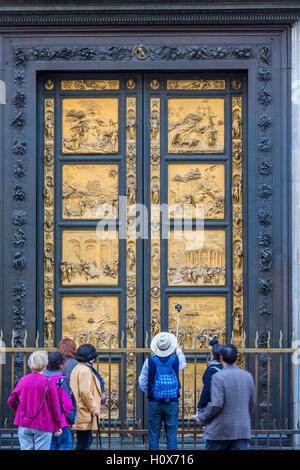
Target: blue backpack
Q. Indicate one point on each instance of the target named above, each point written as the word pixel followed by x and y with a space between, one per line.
pixel 165 381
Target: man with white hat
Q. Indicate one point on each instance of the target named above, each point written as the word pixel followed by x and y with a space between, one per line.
pixel 159 378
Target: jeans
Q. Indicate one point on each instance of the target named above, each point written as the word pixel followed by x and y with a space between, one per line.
pixel 238 444
pixel 84 440
pixel 34 439
pixel 62 442
pixel 157 414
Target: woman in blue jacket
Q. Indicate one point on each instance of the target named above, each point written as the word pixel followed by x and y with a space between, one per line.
pixel 213 367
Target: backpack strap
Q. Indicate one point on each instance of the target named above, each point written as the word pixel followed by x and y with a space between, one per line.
pixel 216 368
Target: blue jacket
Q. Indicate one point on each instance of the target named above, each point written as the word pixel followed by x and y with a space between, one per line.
pixel 211 370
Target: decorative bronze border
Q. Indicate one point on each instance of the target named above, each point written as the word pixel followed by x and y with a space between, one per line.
pixel 48 192
pixel 155 214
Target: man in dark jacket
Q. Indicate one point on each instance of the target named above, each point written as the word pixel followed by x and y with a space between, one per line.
pixel 227 416
pixel 214 366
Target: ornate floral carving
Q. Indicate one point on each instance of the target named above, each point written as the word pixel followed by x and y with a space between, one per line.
pixel 265 309
pixel 19 217
pixel 264 121
pixel 264 55
pixel 19 147
pixel 265 190
pixel 19 120
pixel 19 261
pixel 18 290
pixel 265 144
pixel 265 259
pixel 265 97
pixel 19 238
pixel 19 169
pixel 265 239
pixel 264 218
pixel 19 194
pixel 265 286
pixel 19 99
pixel 265 168
pixel 264 74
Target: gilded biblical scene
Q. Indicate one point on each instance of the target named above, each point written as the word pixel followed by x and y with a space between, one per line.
pixel 89 260
pixel 90 85
pixel 90 125
pixel 196 125
pixel 196 258
pixel 190 398
pixel 200 84
pixel 90 191
pixel 196 189
pixel 93 320
pixel 112 400
pixel 200 315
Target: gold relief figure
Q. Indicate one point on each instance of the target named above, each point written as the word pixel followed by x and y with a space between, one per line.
pixel 131 324
pixel 131 193
pixel 155 260
pixel 196 258
pixel 200 84
pixel 238 253
pixel 236 84
pixel 155 192
pixel 237 127
pixel 155 323
pixel 130 83
pixel 49 326
pixel 48 258
pixel 195 125
pixel 111 407
pixel 237 322
pixel 154 84
pixel 90 125
pixel 48 191
pixel 131 258
pixel 201 187
pixel 131 124
pixel 237 151
pixel 236 191
pixel 238 285
pixel 154 124
pixel 49 127
pixel 90 191
pixel 92 318
pixel 90 85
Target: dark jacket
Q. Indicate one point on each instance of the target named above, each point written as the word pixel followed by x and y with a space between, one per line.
pixel 227 416
pixel 213 367
pixel 152 371
pixel 69 365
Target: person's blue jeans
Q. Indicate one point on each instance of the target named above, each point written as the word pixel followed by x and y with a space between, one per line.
pixel 166 413
pixel 34 439
pixel 84 440
pixel 238 444
pixel 62 442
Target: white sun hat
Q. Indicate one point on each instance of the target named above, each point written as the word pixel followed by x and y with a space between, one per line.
pixel 163 344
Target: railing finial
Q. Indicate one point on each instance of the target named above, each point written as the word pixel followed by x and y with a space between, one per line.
pixel 269 339
pixel 37 339
pixel 25 338
pixel 146 339
pixel 256 340
pixel 122 339
pixel 13 338
pixel 280 339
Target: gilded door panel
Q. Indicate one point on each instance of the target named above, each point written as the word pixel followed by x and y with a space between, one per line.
pixel 89 258
pixel 112 400
pixel 198 186
pixel 90 125
pixel 200 315
pixel 196 125
pixel 90 191
pixel 89 319
pixel 196 258
pixel 194 85
pixel 191 379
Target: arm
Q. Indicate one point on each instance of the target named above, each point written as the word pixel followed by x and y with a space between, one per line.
pixel 85 385
pixel 66 401
pixel 205 394
pixel 181 358
pixel 143 378
pixel 55 404
pixel 217 400
pixel 14 397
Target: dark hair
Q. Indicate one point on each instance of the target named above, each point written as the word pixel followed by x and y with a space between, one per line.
pixel 67 347
pixel 86 353
pixel 55 359
pixel 216 351
pixel 229 353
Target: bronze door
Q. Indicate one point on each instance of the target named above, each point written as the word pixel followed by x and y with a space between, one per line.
pixel 142 209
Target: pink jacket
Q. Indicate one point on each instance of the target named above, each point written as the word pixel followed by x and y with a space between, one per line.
pixel 27 397
pixel 65 400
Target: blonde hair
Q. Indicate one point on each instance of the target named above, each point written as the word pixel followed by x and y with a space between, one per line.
pixel 38 361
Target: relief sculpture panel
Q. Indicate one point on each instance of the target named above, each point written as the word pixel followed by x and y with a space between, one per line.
pixel 200 84
pixel 192 380
pixel 89 260
pixel 112 400
pixel 200 315
pixel 90 85
pixel 196 125
pixel 93 320
pixel 196 258
pixel 90 191
pixel 196 190
pixel 90 125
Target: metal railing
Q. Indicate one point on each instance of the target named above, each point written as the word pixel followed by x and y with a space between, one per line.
pixel 124 417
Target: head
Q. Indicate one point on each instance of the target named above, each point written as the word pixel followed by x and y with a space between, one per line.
pixel 67 347
pixel 37 361
pixel 55 361
pixel 86 353
pixel 228 354
pixel 216 352
pixel 163 344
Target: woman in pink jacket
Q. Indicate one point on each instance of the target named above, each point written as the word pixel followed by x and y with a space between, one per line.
pixel 36 402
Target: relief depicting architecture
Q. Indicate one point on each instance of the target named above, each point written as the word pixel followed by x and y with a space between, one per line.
pixel 196 125
pixel 112 400
pixel 90 125
pixel 200 84
pixel 90 191
pixel 90 84
pixel 200 315
pixel 196 190
pixel 196 258
pixel 88 260
pixel 92 320
pixel 48 193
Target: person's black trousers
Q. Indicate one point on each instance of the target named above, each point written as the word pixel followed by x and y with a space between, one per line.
pixel 84 440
